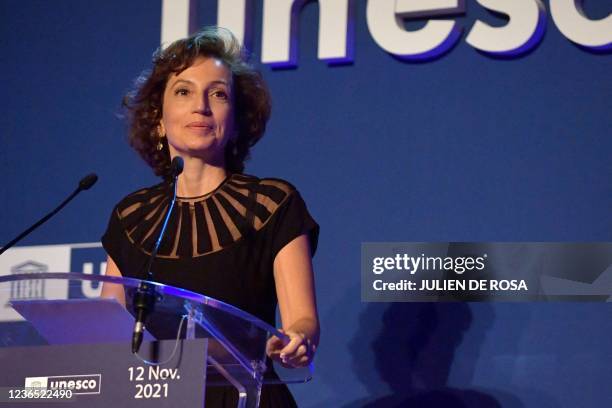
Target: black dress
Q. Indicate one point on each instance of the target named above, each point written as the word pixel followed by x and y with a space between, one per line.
pixel 222 244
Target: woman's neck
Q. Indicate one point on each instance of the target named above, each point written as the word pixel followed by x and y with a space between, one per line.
pixel 199 178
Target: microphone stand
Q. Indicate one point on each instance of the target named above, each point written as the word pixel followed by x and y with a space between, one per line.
pixel 145 296
pixel 85 184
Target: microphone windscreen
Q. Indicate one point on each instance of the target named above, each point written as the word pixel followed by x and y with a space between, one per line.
pixel 88 181
pixel 176 167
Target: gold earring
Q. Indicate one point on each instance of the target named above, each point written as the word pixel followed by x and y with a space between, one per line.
pixel 160 139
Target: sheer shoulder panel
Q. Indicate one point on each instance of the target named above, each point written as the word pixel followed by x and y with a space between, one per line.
pixel 201 225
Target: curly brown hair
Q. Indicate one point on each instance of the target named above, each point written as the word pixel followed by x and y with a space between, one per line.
pixel 143 105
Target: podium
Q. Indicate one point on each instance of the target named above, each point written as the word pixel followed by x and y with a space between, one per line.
pixel 55 341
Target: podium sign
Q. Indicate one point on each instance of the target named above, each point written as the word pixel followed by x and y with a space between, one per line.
pixel 83 345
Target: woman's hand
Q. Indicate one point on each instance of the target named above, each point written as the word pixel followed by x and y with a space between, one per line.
pixel 297 352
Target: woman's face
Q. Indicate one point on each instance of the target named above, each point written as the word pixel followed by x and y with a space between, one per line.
pixel 197 116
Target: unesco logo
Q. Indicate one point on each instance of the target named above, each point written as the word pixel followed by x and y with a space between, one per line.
pixel 78 384
pixel 519 32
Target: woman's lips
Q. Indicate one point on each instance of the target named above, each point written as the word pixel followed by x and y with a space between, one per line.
pixel 200 127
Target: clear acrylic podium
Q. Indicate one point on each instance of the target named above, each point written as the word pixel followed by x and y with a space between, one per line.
pixel 42 309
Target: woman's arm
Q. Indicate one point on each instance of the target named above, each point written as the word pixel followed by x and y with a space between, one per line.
pixel 113 290
pixel 297 303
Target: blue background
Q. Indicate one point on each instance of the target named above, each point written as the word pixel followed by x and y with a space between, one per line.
pixel 462 148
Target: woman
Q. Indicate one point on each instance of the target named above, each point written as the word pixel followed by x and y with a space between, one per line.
pixel 240 239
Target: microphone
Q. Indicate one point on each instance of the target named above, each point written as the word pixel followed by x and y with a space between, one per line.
pixel 88 181
pixel 85 184
pixel 176 167
pixel 144 298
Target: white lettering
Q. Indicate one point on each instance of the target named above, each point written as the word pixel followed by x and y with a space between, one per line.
pixel 415 265
pixel 475 284
pixel 178 20
pixel 87 286
pixel 336 31
pixel 571 20
pixel 386 24
pixel 385 19
pixel 505 284
pixel 377 284
pixel 156 373
pixel 377 265
pixel 81 384
pixel 522 33
pixel 279 31
pixel 400 285
pixel 236 16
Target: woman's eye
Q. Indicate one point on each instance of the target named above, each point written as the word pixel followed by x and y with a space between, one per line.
pixel 182 92
pixel 219 94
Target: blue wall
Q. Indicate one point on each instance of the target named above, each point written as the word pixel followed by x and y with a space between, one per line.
pixel 462 148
